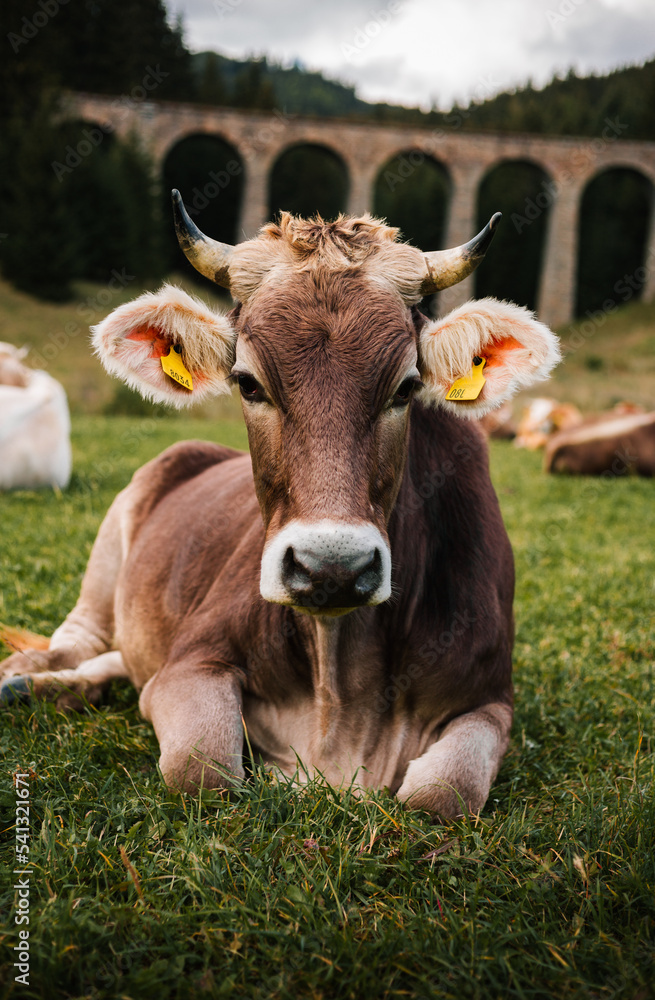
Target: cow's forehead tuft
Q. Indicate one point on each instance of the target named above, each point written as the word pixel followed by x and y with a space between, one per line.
pixel 346 240
pixel 349 244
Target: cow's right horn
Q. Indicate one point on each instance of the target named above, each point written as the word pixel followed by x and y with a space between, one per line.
pixel 444 268
pixel 208 256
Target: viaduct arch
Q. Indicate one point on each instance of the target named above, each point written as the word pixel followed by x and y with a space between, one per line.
pixel 261 137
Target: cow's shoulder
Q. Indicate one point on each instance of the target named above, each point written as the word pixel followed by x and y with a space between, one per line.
pixel 177 465
pixel 447 457
pixel 451 550
pixel 450 485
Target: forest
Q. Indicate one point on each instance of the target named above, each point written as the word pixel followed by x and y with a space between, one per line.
pixel 67 216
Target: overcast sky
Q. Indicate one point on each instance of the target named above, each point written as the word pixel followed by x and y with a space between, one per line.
pixel 420 52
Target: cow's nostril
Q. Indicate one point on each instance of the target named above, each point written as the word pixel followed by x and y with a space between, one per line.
pixel 295 576
pixel 369 578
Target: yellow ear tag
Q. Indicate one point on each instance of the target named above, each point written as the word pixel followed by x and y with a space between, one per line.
pixel 174 367
pixel 470 386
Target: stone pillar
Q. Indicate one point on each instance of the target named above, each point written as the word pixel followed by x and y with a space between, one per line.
pixel 254 208
pixel 649 257
pixel 461 228
pixel 559 272
pixel 360 194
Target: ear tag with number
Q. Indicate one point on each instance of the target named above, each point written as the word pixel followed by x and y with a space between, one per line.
pixel 469 386
pixel 174 367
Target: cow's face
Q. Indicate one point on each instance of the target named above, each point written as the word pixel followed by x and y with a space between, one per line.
pixel 327 351
pixel 327 371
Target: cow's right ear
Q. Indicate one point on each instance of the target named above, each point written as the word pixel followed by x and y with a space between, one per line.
pixel 517 349
pixel 134 338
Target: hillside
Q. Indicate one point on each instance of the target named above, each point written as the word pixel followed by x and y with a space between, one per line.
pixel 574 105
pixel 570 106
pixel 103 47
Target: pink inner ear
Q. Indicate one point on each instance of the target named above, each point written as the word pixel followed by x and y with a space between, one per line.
pixel 160 343
pixel 496 352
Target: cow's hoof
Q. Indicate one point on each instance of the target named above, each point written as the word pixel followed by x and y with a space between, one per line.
pixel 15 689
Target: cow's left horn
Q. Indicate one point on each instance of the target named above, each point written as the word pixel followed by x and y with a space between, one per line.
pixel 446 267
pixel 208 256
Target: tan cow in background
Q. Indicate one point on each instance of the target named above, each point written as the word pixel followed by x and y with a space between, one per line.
pixel 35 448
pixel 543 417
pixel 614 444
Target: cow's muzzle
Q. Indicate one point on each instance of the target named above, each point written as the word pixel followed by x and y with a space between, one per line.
pixel 326 566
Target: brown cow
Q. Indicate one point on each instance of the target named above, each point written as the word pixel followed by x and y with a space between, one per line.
pixel 612 445
pixel 347 587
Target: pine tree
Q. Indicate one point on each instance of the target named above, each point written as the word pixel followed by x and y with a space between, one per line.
pixel 41 251
pixel 67 214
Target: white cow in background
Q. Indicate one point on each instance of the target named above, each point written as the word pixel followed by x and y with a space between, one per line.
pixel 35 445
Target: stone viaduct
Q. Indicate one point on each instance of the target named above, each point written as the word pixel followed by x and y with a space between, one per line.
pixel 260 138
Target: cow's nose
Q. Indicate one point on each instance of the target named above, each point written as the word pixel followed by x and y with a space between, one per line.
pixel 348 581
pixel 326 564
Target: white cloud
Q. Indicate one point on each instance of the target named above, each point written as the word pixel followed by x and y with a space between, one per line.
pixel 420 51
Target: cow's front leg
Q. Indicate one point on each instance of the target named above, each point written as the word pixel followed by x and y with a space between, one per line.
pixel 196 712
pixel 70 688
pixel 456 772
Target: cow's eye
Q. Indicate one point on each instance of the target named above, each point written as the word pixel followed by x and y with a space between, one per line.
pixel 404 392
pixel 250 389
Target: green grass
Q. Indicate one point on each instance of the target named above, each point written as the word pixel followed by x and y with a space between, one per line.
pixel 608 358
pixel 275 892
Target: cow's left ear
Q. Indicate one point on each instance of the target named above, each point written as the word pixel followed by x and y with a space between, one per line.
pixel 518 350
pixel 196 344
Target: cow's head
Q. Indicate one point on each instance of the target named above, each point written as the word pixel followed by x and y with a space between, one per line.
pixel 328 350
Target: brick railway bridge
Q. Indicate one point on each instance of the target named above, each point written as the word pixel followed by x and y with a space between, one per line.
pixel 260 138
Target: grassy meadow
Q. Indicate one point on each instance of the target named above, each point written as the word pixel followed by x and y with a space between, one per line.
pixel 275 892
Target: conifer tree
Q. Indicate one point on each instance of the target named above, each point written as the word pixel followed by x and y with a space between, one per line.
pixel 41 246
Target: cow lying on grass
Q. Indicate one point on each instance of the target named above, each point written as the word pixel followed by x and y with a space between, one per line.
pixel 614 444
pixel 541 419
pixel 347 587
pixel 35 448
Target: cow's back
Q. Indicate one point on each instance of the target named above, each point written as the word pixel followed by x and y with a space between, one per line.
pixel 160 477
